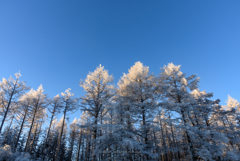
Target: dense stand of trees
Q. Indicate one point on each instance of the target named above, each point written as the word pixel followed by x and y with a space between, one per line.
pixel 145 117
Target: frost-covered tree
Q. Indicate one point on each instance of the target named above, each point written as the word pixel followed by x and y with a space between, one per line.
pixel 6 137
pixel 5 152
pixel 193 109
pixel 177 97
pixel 38 102
pixel 138 91
pixel 37 130
pixel 226 121
pixel 25 108
pixel 10 91
pixel 69 104
pixel 147 117
pixel 53 141
pixel 72 138
pixel 55 108
pixel 85 136
pixel 99 92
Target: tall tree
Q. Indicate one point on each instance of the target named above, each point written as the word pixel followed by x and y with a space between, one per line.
pixel 99 92
pixel 55 108
pixel 138 87
pixel 70 105
pixel 25 108
pixel 72 138
pixel 192 109
pixel 11 90
pixel 39 101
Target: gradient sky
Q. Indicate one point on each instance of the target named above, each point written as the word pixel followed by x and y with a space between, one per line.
pixel 57 42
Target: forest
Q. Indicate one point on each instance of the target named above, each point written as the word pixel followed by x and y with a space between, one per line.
pixel 144 117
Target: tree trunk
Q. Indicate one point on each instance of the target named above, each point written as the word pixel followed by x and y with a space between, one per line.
pixel 30 130
pixel 46 142
pixel 79 146
pixel 59 141
pixel 5 139
pixel 20 130
pixel 35 133
pixel 9 103
pixel 72 143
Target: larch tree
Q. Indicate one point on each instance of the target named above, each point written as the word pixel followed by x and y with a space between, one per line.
pixel 193 109
pixel 10 91
pixel 39 101
pixel 25 108
pixel 99 93
pixel 138 88
pixel 39 120
pixel 70 105
pixel 55 108
pixel 72 138
pixel 177 97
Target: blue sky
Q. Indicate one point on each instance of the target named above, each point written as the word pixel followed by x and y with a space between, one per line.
pixel 56 43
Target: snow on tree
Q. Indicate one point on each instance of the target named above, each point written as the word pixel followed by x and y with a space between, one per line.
pixel 25 108
pixel 99 92
pixel 72 138
pixel 69 104
pixel 193 109
pixel 55 108
pixel 38 102
pixel 145 118
pixel 5 152
pixel 139 89
pixel 10 91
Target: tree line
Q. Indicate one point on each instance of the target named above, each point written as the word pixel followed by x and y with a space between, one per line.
pixel 145 117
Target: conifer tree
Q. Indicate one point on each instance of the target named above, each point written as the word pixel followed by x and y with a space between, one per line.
pixel 72 138
pixel 55 108
pixel 193 109
pixel 69 104
pixel 138 88
pixel 39 101
pixel 99 92
pixel 10 91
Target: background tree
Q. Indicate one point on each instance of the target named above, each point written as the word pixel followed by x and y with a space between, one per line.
pixel 39 101
pixel 55 108
pixel 70 105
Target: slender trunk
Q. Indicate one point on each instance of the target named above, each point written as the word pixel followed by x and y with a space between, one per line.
pixel 9 103
pixel 174 142
pixel 25 114
pixel 35 133
pixel 46 142
pixel 30 130
pixel 83 150
pixel 145 132
pixel 88 149
pixel 59 141
pixel 79 146
pixel 72 143
pixel 168 139
pixel 163 139
pixel 14 139
pixel 188 137
pixel 5 139
pixel 94 135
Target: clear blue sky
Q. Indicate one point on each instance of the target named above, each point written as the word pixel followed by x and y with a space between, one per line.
pixel 57 42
